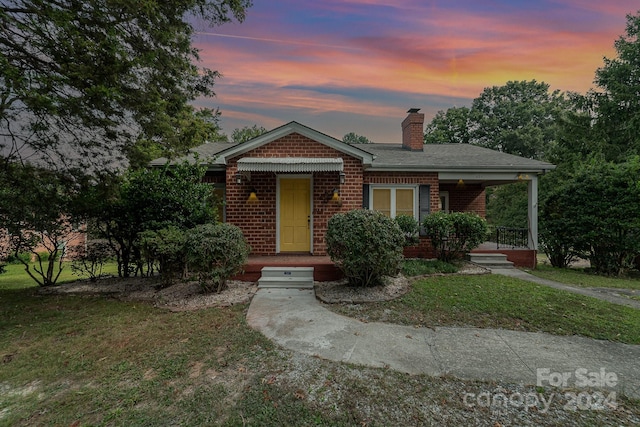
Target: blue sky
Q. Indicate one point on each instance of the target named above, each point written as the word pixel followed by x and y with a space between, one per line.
pixel 357 66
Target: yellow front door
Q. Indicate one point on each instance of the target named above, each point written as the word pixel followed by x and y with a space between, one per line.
pixel 295 211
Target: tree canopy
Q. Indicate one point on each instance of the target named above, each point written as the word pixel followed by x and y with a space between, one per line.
pixel 617 102
pixel 449 127
pixel 36 210
pixel 82 80
pixel 354 138
pixel 246 133
pixel 516 118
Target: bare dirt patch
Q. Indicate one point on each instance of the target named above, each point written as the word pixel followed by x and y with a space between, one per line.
pixel 178 297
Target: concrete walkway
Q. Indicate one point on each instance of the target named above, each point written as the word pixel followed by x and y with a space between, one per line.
pixel 608 295
pixel 295 320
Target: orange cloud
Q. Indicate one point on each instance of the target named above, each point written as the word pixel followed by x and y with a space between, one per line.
pixel 278 66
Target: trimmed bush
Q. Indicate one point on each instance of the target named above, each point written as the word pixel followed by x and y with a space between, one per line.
pixel 167 249
pixel 454 234
pixel 365 245
pixel 411 229
pixel 216 252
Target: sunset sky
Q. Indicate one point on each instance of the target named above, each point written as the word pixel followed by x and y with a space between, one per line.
pixel 358 65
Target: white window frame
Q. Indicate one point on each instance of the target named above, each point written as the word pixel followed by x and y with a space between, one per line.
pixel 393 188
pixel 444 195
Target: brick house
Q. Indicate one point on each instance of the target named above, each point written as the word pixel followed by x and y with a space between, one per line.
pixel 282 187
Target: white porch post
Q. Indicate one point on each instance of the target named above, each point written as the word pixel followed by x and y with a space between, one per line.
pixel 532 192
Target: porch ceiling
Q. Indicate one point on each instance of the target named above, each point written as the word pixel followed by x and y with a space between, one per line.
pixel 290 164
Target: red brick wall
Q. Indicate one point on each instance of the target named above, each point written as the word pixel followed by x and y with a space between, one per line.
pixel 413 132
pixel 423 249
pixel 258 221
pixel 470 198
pixel 74 240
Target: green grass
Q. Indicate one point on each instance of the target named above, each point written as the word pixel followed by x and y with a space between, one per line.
pixel 15 276
pixel 88 361
pixel 585 279
pixel 421 267
pixel 494 301
pixel 104 362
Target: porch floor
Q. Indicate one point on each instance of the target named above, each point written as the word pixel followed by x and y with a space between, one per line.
pixel 323 268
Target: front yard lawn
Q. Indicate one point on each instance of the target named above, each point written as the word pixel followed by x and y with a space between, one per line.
pixel 16 278
pixel 584 279
pixel 76 360
pixel 494 301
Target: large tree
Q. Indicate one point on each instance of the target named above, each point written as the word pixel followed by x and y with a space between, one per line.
pixel 37 214
pixel 617 101
pixel 521 118
pixel 448 127
pixel 517 118
pixel 354 138
pixel 247 133
pixel 80 79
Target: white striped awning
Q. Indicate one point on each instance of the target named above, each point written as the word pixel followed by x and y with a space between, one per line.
pixel 290 164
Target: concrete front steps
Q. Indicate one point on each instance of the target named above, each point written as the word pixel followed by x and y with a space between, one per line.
pixel 286 277
pixel 489 260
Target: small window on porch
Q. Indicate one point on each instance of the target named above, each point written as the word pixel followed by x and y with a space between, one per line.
pixel 444 201
pixel 218 201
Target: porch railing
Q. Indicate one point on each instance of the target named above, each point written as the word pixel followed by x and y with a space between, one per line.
pixel 510 237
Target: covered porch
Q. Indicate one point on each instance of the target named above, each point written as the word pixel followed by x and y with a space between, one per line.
pixel 520 245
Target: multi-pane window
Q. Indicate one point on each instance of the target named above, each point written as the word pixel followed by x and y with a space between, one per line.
pixel 394 201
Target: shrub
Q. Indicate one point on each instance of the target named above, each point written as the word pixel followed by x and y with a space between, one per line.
pixel 166 248
pixel 216 252
pixel 20 258
pixel 90 260
pixel 410 228
pixel 365 245
pixel 594 211
pixel 454 234
pixel 45 256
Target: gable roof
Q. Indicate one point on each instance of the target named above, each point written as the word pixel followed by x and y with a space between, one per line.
pixel 295 127
pixel 216 154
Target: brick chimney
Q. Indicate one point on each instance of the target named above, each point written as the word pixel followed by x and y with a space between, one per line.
pixel 413 130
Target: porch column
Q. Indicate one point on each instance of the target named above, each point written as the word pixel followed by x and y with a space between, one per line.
pixel 532 192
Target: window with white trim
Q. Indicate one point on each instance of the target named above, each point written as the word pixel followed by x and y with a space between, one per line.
pixel 394 201
pixel 444 201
